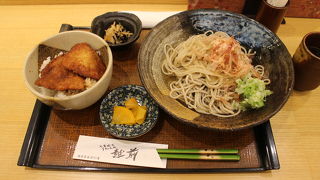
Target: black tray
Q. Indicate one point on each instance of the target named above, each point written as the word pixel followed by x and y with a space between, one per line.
pixel 40 116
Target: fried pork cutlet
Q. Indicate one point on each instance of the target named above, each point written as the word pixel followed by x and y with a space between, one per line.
pixel 83 60
pixel 55 76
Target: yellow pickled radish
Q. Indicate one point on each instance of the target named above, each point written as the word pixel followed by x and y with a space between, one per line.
pixel 122 115
pixel 139 113
pixel 131 103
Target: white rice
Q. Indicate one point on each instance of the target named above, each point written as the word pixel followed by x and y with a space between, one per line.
pixel 88 82
pixel 47 61
pixel 57 55
pixel 44 64
pixel 60 94
pixel 277 3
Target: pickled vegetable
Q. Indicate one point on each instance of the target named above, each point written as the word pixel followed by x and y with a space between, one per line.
pixel 139 114
pixel 122 115
pixel 131 103
pixel 131 113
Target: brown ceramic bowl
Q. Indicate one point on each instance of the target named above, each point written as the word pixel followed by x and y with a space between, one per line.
pixel 270 52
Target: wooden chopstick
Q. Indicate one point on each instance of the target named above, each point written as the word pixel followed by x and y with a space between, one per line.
pixel 200 154
pixel 228 157
pixel 198 151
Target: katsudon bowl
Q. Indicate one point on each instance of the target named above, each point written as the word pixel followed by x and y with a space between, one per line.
pixel 269 50
pixel 61 43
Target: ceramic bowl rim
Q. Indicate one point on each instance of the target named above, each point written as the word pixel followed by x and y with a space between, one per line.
pixel 83 93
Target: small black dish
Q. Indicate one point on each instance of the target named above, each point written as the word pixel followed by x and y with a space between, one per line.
pixel 129 21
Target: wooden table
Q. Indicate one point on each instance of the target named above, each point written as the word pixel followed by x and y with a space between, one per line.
pixel 296 127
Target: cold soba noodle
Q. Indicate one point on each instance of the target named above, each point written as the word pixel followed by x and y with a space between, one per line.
pixel 207 68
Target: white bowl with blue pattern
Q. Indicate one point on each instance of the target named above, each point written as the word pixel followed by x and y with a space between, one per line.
pixel 117 97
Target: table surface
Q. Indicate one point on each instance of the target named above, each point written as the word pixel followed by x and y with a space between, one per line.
pixel 295 127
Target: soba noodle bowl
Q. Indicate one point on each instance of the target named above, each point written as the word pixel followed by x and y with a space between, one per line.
pixel 207 68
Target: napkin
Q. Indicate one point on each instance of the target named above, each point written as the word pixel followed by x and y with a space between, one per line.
pixel 117 151
pixel 150 19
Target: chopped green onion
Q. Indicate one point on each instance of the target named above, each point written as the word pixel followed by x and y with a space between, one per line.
pixel 253 92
